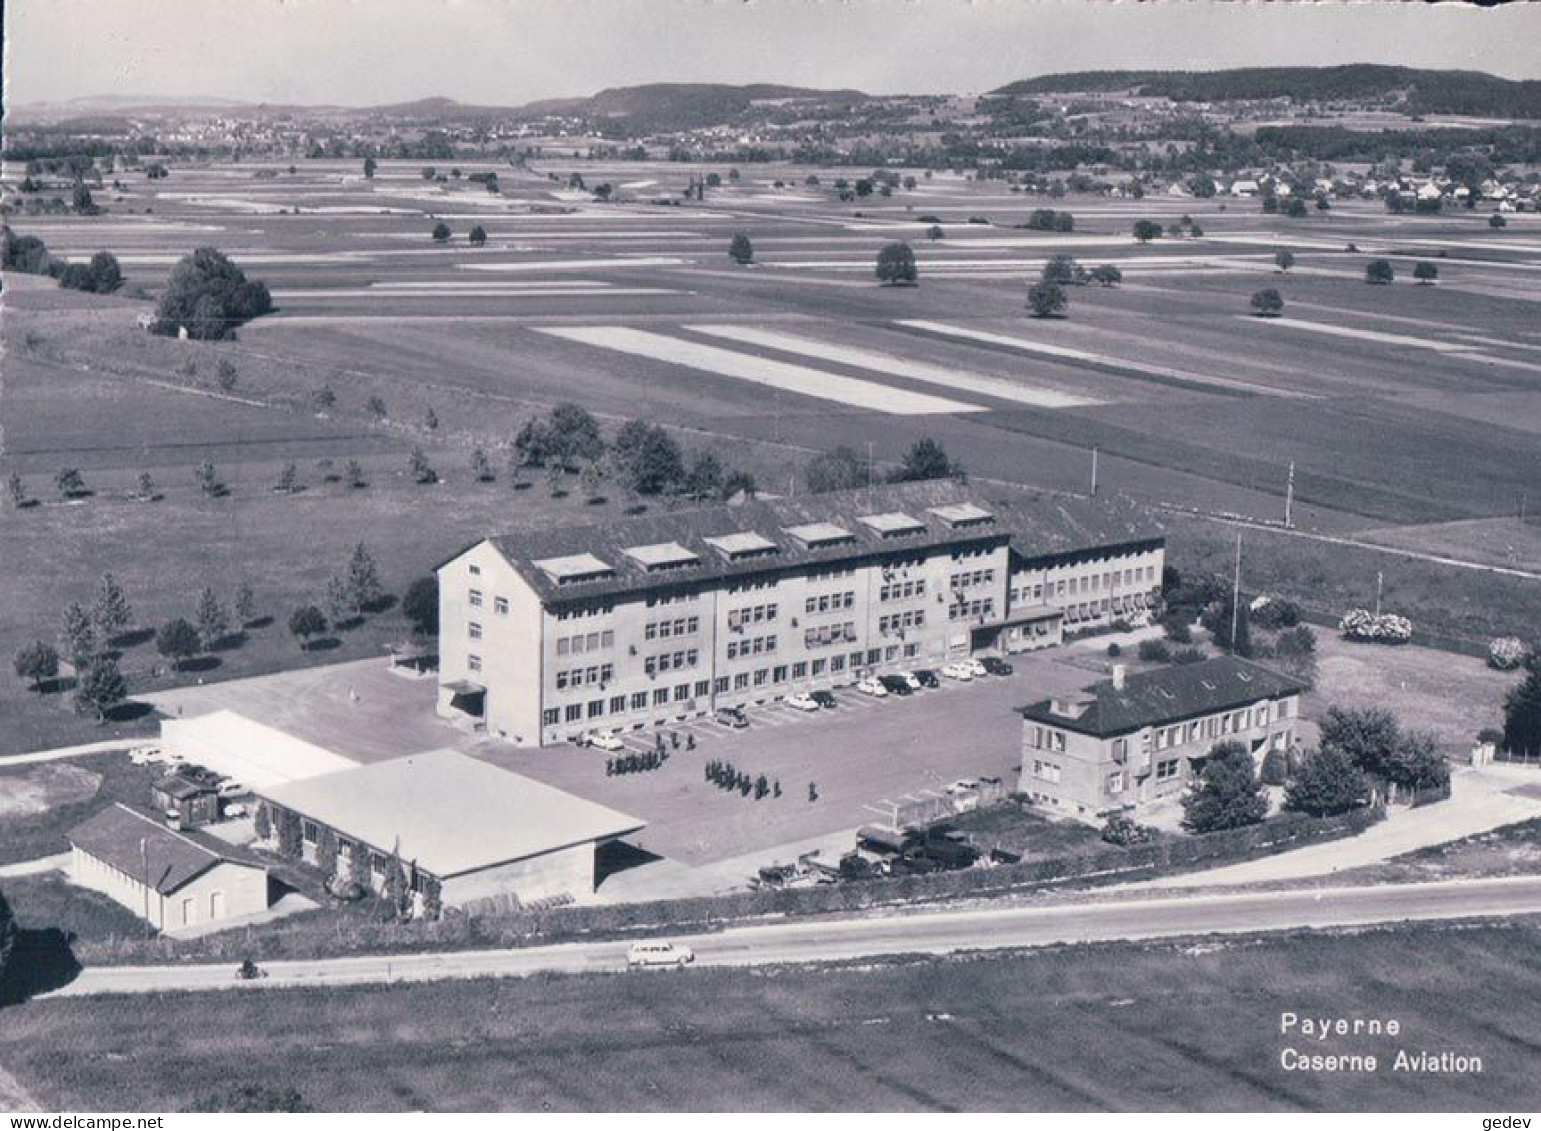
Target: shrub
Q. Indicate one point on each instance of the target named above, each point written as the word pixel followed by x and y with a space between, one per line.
pixel 1155 652
pixel 1115 649
pixel 1385 628
pixel 1267 303
pixel 1379 272
pixel 1125 831
pixel 1047 300
pixel 1506 653
pixel 1178 627
pixel 1275 613
pixel 209 297
pixel 1189 656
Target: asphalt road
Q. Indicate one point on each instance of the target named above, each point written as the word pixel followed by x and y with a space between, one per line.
pixel 932 933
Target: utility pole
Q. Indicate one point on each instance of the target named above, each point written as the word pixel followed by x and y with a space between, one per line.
pixel 1289 499
pixel 869 464
pixel 1236 595
pixel 1380 580
pixel 1094 472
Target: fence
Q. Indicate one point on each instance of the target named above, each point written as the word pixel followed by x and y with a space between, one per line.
pixel 317 936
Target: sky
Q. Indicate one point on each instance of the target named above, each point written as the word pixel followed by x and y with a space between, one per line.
pixel 506 52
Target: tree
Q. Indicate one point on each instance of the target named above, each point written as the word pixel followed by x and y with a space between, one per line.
pixel 934 233
pixel 262 823
pixel 896 265
pixel 17 490
pixel 1327 783
pixel 8 933
pixel 208 479
pixel 738 482
pixel 1107 275
pixel 323 400
pixel 363 579
pixel 838 470
pixel 1522 711
pixel 1147 230
pixel 288 479
pixel 431 420
pixel 36 662
pixel 1047 300
pixel 1297 208
pixel 704 479
pixel 1227 794
pixel 76 634
pixel 477 236
pixel 926 459
pixel 1368 735
pixel 326 854
pixel 1284 259
pixel 422 471
pixel 1062 269
pixel 100 687
pixel 251 1098
pixel 441 232
pixel 1267 303
pixel 336 602
pixel 177 640
pixel 1379 272
pixel 741 251
pixel 1497 221
pixel 369 168
pixel 420 605
pixel 225 374
pixel 209 297
pixel 305 622
pixel 245 604
pixel 70 482
pixel 353 475
pixel 648 459
pixel 573 436
pixel 481 466
pixel 1426 272
pixel 213 619
pixel 110 612
pixel 375 406
pixel 147 491
pixel 1416 763
pixel 106 275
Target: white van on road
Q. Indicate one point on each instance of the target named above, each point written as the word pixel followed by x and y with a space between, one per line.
pixel 643 954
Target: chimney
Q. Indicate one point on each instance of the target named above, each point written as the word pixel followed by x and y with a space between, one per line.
pixel 1118 677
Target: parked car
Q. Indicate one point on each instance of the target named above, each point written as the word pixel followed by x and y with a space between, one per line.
pixel 802 701
pixel 994 665
pixel 732 717
pixel 911 680
pixel 824 699
pixel 604 740
pixel 927 678
pixel 236 809
pixel 231 788
pixel 145 755
pixel 641 955
pixel 896 684
pixel 975 665
pixel 872 687
pixel 959 671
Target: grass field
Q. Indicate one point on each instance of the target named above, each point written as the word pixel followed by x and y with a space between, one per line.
pixel 1121 1027
pixel 94 782
pixel 1418 409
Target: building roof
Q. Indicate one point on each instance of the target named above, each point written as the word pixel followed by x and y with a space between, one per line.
pixel 1166 695
pixel 248 751
pixel 170 859
pixel 624 556
pixel 449 812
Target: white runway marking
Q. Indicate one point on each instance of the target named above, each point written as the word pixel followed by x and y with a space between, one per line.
pixel 886 363
pixel 775 374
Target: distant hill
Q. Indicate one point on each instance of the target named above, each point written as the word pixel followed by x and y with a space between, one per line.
pixel 675 106
pixel 1427 92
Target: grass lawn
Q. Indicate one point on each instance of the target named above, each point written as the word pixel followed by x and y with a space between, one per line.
pixel 1117 1027
pixel 1017 828
pixel 40 832
pixel 1453 697
pixel 49 901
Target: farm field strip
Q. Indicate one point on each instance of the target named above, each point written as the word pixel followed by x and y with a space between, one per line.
pixel 473 292
pixel 817 383
pixel 858 358
pixel 1064 352
pixel 1456 348
pixel 580 264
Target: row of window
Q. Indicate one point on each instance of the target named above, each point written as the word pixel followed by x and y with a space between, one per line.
pixel 737 649
pixel 580 677
pixel 973 577
pixel 976 552
pixel 752 586
pixel 663 629
pixel 752 614
pixel 831 574
pixel 911 618
pixel 1048 771
pixel 828 602
pixel 585 642
pixel 1216 726
pixel 1047 738
pixel 968 610
pixel 671 661
pixel 901 591
pixel 620 704
pixel 499 604
pixel 825 634
pixel 578 612
pixel 655 600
